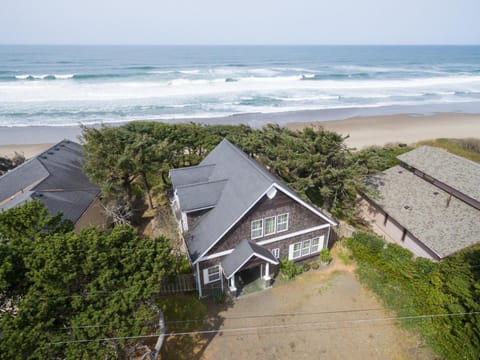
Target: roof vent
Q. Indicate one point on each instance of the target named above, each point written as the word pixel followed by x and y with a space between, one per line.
pixel 57 149
pixel 44 157
pixel 435 193
pixel 51 153
pixel 62 145
pixel 400 171
pixel 271 193
pixel 407 207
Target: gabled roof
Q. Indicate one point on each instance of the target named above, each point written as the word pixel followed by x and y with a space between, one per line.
pixel 244 181
pixel 444 224
pixel 55 177
pixel 242 253
pixel 200 196
pixel 459 173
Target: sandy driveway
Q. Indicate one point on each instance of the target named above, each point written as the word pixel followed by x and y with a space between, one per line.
pixel 330 330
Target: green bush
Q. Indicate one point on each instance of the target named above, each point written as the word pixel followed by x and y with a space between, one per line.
pixel 183 265
pixel 315 265
pixel 305 266
pixel 325 256
pixel 416 286
pixel 289 270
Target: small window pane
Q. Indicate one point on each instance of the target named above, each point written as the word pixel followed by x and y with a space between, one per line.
pixel 269 226
pixel 306 248
pixel 297 250
pixel 282 222
pixel 276 252
pixel 315 245
pixel 257 229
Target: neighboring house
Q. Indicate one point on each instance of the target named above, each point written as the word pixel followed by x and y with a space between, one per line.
pixel 238 221
pixel 429 205
pixel 55 177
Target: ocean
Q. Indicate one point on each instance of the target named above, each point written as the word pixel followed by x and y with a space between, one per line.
pixel 69 85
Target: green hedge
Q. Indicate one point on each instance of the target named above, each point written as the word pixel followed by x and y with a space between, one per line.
pixel 416 286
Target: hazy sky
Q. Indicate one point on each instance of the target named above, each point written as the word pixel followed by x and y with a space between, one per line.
pixel 240 22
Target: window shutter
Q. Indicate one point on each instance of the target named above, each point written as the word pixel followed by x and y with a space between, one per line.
pixel 290 252
pixel 322 242
pixel 205 276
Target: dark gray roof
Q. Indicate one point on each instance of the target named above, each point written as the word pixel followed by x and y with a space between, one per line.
pixel 459 173
pixel 55 177
pixel 422 209
pixel 191 175
pixel 241 254
pixel 200 196
pixel 244 182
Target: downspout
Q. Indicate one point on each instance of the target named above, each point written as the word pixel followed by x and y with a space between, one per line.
pixel 199 283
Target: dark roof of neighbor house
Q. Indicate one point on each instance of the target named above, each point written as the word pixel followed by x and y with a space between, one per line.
pixel 459 173
pixel 242 253
pixel 55 177
pixel 240 182
pixel 422 209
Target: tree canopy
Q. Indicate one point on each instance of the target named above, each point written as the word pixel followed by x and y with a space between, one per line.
pixel 314 162
pixel 58 286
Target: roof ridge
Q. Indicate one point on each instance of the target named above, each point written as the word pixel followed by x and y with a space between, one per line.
pixel 189 167
pixel 434 148
pixel 201 183
pixel 251 161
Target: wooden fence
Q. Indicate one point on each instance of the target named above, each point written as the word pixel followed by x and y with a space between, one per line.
pixel 181 283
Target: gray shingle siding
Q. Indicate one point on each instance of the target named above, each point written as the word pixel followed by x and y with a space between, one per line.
pixel 247 181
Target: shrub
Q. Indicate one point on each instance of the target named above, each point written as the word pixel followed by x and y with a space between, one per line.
pixel 325 256
pixel 305 267
pixel 415 286
pixel 289 269
pixel 315 265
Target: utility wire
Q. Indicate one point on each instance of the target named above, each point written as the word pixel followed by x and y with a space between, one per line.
pixel 271 327
pixel 241 317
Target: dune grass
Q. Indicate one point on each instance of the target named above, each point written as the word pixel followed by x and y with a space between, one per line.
pixel 468 148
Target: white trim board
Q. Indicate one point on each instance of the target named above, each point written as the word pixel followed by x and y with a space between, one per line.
pixel 233 224
pixel 272 240
pixel 248 259
pixel 281 189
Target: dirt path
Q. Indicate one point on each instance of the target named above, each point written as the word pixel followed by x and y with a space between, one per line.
pixel 322 317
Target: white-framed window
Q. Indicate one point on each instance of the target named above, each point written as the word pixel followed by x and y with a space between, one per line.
pixel 315 245
pixel 297 250
pixel 282 222
pixel 257 228
pixel 211 274
pixel 305 248
pixel 269 226
pixel 276 253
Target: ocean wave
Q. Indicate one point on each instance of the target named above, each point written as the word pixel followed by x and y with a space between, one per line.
pixel 141 67
pixel 45 77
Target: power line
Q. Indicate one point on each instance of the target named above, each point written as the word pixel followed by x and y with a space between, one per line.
pixel 240 317
pixel 272 327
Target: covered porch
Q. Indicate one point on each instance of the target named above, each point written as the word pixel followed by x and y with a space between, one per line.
pixel 248 268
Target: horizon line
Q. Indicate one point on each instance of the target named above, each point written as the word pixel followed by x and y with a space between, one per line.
pixel 240 44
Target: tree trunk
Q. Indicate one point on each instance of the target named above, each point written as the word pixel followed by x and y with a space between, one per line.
pixel 147 189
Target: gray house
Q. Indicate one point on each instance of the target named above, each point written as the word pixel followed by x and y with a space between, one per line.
pixel 238 221
pixel 429 205
pixel 54 177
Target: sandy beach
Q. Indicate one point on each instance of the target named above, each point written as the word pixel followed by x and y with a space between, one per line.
pixel 381 130
pixel 361 131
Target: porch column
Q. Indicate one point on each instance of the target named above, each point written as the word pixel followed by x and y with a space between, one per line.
pixel 232 284
pixel 267 272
